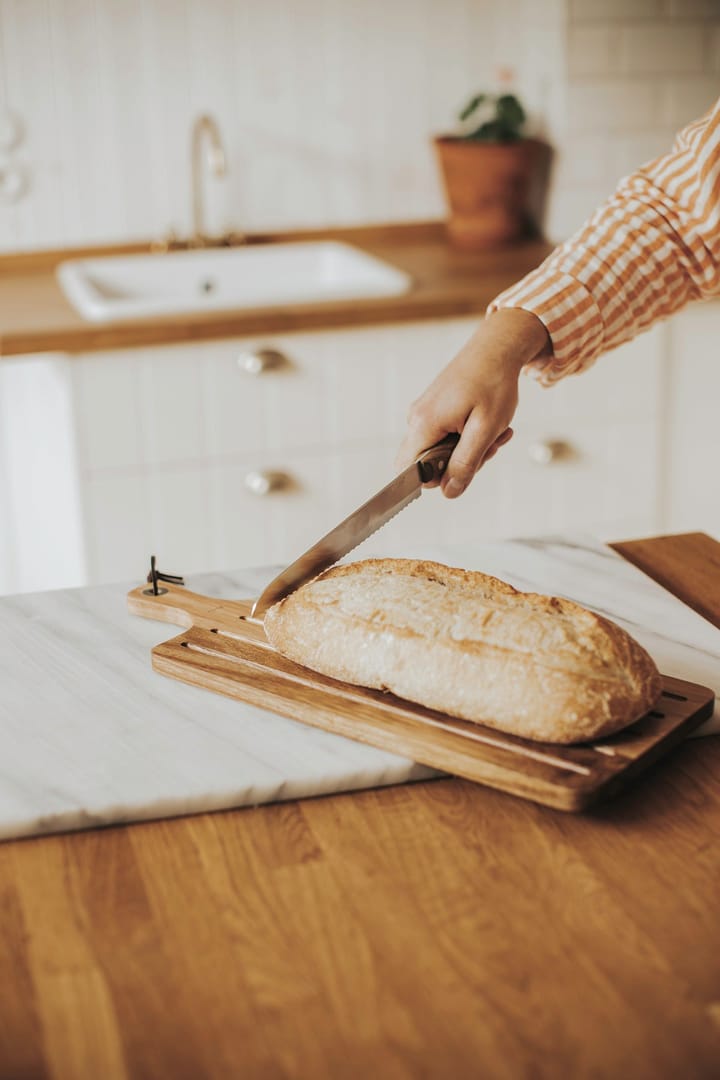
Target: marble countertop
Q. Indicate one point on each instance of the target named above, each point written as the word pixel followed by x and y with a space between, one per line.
pixel 92 736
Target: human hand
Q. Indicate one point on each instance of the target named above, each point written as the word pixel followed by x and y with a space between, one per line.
pixel 476 395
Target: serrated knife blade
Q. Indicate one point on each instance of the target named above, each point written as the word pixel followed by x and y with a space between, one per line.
pixel 363 522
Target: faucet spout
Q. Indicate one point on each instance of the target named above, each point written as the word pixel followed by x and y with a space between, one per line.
pixel 204 128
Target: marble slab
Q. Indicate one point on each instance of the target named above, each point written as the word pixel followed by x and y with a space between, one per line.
pixel 92 736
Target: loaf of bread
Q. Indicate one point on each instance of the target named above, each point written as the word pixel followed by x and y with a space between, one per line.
pixel 468 645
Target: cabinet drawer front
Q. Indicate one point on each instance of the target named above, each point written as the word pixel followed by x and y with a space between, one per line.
pixel 188 403
pixel 606 482
pixel 330 389
pixel 624 384
pixel 219 515
pixel 338 387
pixel 213 460
pixel 693 454
pixel 209 517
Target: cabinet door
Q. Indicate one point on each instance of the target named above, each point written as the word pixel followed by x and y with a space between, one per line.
pixel 170 437
pixel 623 385
pixel 219 400
pixel 177 443
pixel 585 454
pixel 587 489
pixel 220 514
pixel 692 458
pixel 42 545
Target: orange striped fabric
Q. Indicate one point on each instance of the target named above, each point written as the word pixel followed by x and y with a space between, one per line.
pixel 647 251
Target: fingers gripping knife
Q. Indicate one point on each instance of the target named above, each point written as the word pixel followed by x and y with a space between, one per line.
pixel 362 523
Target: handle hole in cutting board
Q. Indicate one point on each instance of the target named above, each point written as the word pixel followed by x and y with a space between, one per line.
pixel 675 697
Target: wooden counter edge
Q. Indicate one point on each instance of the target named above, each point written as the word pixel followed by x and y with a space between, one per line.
pixel 446 284
pixel 99 337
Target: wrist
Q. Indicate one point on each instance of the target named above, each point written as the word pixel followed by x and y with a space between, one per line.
pixel 518 336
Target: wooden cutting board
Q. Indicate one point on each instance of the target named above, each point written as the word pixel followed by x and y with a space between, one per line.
pixel 222 650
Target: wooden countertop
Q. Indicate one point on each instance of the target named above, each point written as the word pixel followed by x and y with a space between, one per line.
pixel 438 929
pixel 36 317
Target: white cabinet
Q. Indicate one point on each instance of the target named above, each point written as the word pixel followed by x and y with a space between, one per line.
pixel 170 440
pixel 167 450
pixel 610 480
pixel 42 543
pixel 692 444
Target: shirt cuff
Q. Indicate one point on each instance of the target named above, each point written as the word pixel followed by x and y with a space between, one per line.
pixel 570 315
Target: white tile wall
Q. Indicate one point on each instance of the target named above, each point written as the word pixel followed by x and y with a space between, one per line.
pixel 637 71
pixel 661 49
pixel 592 50
pixel 689 95
pixel 326 106
pixel 605 105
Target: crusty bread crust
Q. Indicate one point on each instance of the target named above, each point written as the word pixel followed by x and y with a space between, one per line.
pixel 468 645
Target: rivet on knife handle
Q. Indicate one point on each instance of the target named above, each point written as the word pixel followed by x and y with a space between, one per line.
pixel 433 462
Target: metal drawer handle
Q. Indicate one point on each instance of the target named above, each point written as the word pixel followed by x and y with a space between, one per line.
pixel 262 361
pixel 548 451
pixel 267 482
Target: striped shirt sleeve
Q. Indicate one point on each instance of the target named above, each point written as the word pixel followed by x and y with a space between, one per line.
pixel 646 252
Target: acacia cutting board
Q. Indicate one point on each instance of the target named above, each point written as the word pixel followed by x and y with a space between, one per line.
pixel 222 650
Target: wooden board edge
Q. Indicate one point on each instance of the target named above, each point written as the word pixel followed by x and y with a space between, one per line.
pixel 182 607
pixel 570 796
pixel 608 788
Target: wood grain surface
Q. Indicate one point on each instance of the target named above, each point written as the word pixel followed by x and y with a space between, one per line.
pixel 224 651
pixel 438 929
pixel 36 317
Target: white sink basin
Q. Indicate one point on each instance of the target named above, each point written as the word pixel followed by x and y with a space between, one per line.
pixel 268 275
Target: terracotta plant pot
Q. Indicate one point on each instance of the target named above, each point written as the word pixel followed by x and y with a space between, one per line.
pixel 491 189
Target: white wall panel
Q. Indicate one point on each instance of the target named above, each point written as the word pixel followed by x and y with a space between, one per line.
pixel 326 107
pixel 638 71
pixel 26 65
pixel 43 526
pixel 693 436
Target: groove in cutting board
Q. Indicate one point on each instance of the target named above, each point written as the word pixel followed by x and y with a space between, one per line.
pixel 222 650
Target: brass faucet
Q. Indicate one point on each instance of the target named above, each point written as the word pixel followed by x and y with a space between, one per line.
pixel 204 126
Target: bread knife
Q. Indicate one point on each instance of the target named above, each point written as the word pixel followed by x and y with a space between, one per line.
pixel 363 522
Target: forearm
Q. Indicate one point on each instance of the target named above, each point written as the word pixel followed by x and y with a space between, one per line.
pixel 643 255
pixel 650 249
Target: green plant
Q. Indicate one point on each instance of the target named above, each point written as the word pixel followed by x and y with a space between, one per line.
pixel 502 118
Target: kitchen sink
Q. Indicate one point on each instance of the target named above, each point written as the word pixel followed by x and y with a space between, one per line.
pixel 110 288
